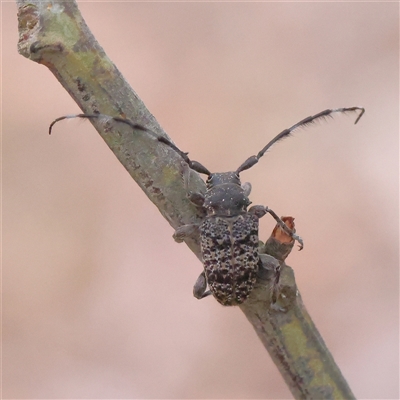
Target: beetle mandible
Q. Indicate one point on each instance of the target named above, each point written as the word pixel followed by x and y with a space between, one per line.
pixel 229 231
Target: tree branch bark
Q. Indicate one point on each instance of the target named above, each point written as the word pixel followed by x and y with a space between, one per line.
pixel 54 34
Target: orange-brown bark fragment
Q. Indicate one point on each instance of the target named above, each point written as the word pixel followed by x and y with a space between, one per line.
pixel 280 235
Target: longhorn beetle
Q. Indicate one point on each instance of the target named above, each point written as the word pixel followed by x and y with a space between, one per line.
pixel 229 231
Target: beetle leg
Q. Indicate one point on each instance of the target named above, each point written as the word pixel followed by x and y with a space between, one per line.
pixel 267 267
pixel 275 290
pixel 199 288
pixel 270 271
pixel 196 198
pixel 260 211
pixel 184 231
pixel 286 228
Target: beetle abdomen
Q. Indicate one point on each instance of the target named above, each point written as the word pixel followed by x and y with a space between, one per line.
pixel 229 248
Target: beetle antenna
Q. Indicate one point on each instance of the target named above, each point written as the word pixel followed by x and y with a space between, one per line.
pixel 102 116
pixel 192 164
pixel 287 132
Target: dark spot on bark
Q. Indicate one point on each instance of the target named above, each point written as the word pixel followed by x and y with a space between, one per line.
pixel 147 183
pixel 34 47
pixel 81 85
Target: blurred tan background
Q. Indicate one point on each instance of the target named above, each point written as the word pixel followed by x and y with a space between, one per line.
pixel 97 297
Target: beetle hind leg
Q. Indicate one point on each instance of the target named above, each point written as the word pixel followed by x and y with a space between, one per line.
pixel 200 287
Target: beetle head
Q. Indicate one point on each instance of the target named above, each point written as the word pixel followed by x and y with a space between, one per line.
pixel 225 195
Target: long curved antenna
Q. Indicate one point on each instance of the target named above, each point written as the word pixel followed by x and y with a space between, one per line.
pixel 192 164
pixel 287 132
pixel 100 116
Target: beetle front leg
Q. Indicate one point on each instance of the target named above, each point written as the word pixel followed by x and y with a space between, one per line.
pixel 199 288
pixel 286 228
pixel 260 211
pixel 196 198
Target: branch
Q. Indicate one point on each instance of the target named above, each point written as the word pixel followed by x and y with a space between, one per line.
pixel 289 334
pixel 54 34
